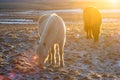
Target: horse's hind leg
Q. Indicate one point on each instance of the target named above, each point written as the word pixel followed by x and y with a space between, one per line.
pixel 90 34
pixel 50 57
pixel 53 53
pixel 87 32
pixel 61 55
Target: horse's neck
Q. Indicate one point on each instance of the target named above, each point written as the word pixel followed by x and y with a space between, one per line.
pixel 45 30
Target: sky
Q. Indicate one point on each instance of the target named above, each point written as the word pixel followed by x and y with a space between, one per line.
pixel 113 1
pixel 97 0
pixel 99 3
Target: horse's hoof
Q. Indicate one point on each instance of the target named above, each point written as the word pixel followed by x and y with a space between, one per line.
pixel 62 65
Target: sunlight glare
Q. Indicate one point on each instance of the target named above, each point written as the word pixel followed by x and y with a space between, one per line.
pixel 113 1
pixel 35 57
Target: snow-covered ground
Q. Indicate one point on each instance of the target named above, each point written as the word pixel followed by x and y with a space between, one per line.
pixel 84 60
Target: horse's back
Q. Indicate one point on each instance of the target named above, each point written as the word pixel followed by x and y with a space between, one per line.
pixel 92 16
pixel 54 29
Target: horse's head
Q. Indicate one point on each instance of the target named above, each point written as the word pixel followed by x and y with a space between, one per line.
pixel 41 53
pixel 42 19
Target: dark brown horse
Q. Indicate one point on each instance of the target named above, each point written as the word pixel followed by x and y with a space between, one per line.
pixel 92 22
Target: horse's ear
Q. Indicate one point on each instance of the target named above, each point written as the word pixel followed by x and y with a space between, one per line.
pixel 42 18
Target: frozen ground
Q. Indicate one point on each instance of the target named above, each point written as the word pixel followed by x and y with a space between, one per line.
pixel 84 60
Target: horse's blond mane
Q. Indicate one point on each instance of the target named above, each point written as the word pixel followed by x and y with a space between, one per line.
pixel 47 23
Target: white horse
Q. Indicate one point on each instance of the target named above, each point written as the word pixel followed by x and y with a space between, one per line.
pixel 41 26
pixel 53 32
